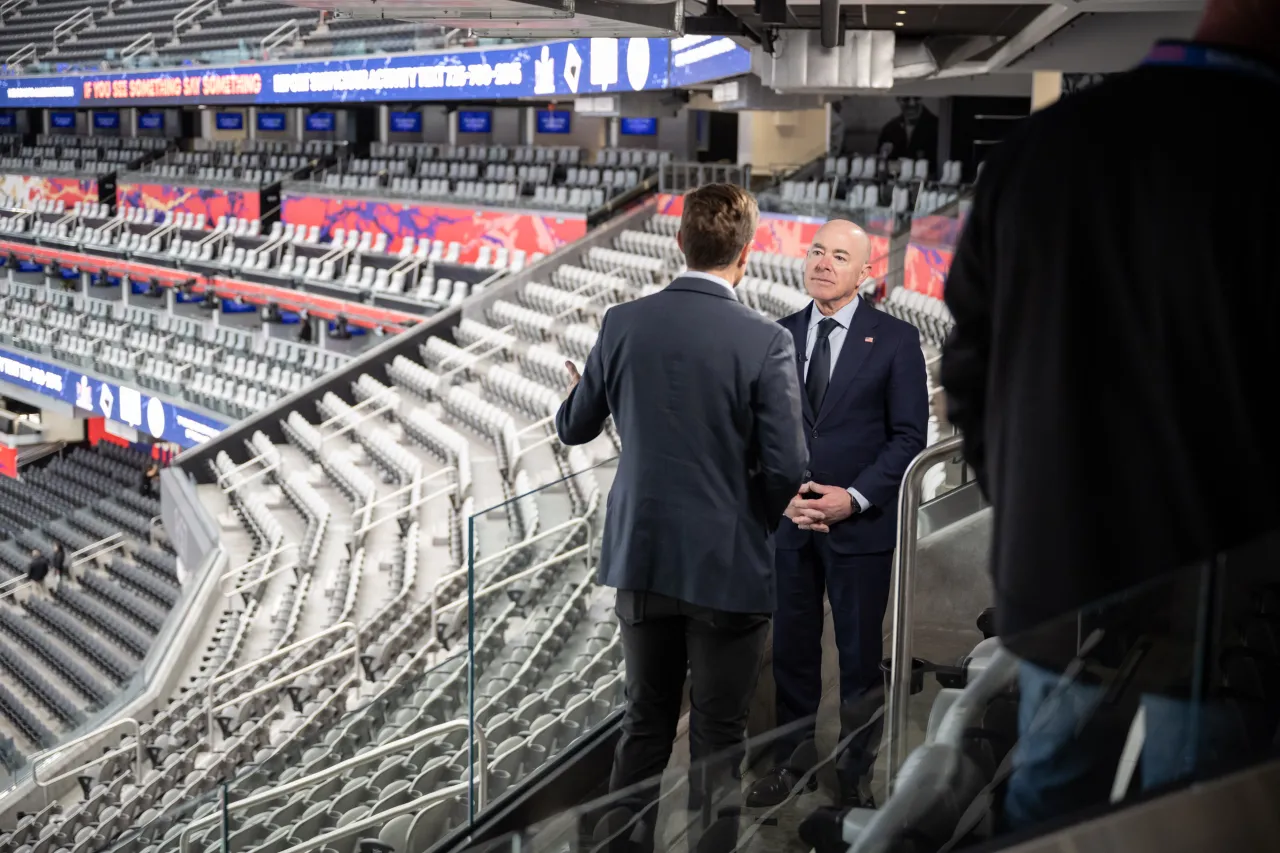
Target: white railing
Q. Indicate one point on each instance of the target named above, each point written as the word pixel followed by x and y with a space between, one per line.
pixel 68 27
pixel 231 574
pixel 285 34
pixel 26 53
pixel 94 550
pixel 145 43
pixel 10 6
pixel 404 744
pixel 353 651
pixel 188 16
pixel 42 758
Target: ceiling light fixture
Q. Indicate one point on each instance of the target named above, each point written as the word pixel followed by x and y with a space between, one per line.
pixel 899 24
pixel 902 11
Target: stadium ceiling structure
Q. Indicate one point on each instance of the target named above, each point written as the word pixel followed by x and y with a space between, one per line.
pixel 962 38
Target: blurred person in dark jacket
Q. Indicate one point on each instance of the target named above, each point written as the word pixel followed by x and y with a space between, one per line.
pixel 1111 367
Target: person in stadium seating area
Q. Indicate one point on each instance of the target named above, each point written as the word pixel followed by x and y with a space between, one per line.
pixel 1111 370
pixel 866 410
pixel 37 568
pixel 704 395
pixel 150 486
pixel 304 327
pixel 58 561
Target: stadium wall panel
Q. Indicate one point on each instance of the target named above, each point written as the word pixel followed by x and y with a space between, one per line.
pixel 471 227
pixel 181 198
pixel 38 187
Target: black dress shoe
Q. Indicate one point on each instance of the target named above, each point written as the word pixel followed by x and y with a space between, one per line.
pixel 823 830
pixel 778 787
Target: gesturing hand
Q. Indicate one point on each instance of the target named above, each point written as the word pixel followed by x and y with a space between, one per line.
pixel 574 376
pixel 833 504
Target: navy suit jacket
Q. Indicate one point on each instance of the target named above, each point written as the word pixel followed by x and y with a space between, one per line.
pixel 873 422
pixel 704 396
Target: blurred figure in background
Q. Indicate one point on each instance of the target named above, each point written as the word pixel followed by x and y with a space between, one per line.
pixel 38 569
pixel 1111 367
pixel 58 561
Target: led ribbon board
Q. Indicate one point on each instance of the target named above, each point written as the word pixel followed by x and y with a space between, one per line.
pixel 559 68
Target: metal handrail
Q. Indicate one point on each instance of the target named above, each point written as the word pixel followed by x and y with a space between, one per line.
pixel 418 482
pixel 468 349
pixel 243 568
pixel 68 26
pixel 248 478
pixel 106 540
pixel 114 542
pixel 364 416
pixel 142 44
pixel 379 818
pixel 26 53
pixel 283 34
pixel 510 549
pixel 439 493
pixel 549 419
pixel 8 6
pixel 406 742
pixel 50 754
pixel 902 598
pixel 497 586
pixel 21 584
pixel 189 14
pixel 354 652
pixel 245 587
pixel 12 581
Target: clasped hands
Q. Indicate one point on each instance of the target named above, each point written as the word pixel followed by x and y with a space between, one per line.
pixel 831 505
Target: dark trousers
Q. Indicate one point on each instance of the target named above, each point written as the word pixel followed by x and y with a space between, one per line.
pixel 858 587
pixel 662 638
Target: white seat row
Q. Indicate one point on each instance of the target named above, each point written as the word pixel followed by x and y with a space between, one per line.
pixel 576 198
pixel 91 209
pixel 238 227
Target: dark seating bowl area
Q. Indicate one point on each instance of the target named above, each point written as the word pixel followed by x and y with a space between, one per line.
pixel 71 642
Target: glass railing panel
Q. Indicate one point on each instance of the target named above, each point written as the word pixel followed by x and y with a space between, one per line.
pixel 1154 687
pixel 1147 690
pixel 546 660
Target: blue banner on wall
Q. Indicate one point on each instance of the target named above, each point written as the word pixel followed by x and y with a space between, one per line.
pixel 120 403
pixel 150 121
pixel 271 121
pixel 320 122
pixel 8 121
pixel 553 121
pixel 475 121
pixel 106 121
pixel 62 119
pixel 562 68
pixel 229 121
pixel 406 122
pixel 639 127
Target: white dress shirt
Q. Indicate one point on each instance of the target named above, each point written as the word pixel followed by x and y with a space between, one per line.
pixel 843 318
pixel 706 276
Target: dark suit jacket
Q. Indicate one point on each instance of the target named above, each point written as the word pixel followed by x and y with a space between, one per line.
pixel 37 569
pixel 704 396
pixel 874 420
pixel 1112 360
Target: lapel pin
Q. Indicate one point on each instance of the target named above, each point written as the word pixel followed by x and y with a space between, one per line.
pixel 869 340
